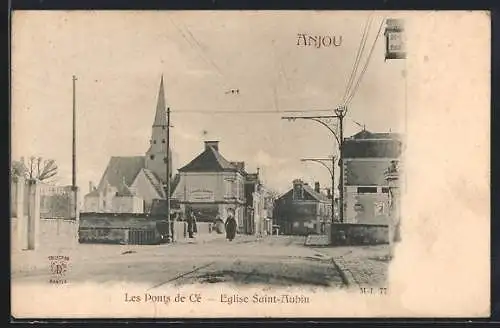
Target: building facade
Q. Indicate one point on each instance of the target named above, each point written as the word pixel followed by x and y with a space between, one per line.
pixel 258 219
pixel 366 158
pixel 302 210
pixel 133 183
pixel 210 185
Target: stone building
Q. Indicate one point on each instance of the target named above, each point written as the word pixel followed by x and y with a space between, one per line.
pixel 302 210
pixel 366 158
pixel 210 185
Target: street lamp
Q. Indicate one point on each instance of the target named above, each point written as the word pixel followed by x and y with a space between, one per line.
pixel 340 113
pixel 332 175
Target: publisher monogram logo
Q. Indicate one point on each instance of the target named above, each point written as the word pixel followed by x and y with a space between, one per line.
pixel 58 268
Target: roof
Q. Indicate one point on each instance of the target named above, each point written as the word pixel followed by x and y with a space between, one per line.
pixel 313 195
pixel 366 173
pixel 122 170
pixel 93 193
pixel 210 160
pixel 161 114
pixel 155 182
pixel 365 134
pixel 316 195
pixel 124 191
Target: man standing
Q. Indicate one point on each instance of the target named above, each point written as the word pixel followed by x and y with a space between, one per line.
pixel 230 225
pixel 191 221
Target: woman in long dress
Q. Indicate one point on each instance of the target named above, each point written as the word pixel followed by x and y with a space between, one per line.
pixel 230 226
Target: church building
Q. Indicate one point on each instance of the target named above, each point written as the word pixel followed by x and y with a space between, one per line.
pixel 130 184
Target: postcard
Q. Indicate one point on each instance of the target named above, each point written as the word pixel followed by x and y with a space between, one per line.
pixel 282 164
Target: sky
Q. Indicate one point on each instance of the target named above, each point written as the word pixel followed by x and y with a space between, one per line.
pixel 119 58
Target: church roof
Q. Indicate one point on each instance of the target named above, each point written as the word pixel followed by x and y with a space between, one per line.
pixel 122 170
pixel 155 182
pixel 161 114
pixel 124 191
pixel 210 160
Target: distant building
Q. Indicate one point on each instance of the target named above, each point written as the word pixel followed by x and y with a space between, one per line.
pixel 366 158
pixel 132 183
pixel 302 210
pixel 56 202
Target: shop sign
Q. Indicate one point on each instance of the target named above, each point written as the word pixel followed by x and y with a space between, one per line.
pixel 201 195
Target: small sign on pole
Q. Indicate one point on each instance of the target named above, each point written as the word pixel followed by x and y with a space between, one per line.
pixel 395 39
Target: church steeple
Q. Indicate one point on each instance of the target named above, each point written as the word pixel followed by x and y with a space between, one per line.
pixel 161 114
pixel 157 155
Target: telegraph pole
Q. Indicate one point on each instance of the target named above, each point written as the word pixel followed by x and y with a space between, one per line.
pixel 340 113
pixel 73 185
pixel 167 187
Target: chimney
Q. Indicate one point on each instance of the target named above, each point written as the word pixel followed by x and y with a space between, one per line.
pixel 91 186
pixel 316 186
pixel 213 144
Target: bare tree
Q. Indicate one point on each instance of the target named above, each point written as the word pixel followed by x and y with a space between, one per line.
pixel 36 168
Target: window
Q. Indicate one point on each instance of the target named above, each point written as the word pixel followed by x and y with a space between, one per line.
pixel 154 141
pixel 367 190
pixel 229 187
pixel 298 192
pixel 385 190
pixel 103 203
pixel 162 140
pixel 152 157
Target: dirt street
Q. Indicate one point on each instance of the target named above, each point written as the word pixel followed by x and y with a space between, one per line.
pixel 275 260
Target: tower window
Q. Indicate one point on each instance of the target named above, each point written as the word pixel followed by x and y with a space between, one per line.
pixel 152 157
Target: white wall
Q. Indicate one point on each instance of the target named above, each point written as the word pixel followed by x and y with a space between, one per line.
pixel 372 204
pixel 142 186
pixel 91 204
pixel 127 205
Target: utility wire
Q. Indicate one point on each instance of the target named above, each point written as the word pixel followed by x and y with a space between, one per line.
pixel 246 112
pixel 196 46
pixel 359 54
pixel 353 93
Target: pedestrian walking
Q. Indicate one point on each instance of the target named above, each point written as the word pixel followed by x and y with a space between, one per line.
pixel 230 226
pixel 191 221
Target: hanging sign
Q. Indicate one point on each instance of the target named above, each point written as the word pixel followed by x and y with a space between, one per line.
pixel 395 39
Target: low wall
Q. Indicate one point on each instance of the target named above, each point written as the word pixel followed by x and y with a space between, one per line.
pixel 130 228
pixel 53 233
pixel 358 234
